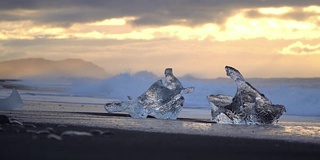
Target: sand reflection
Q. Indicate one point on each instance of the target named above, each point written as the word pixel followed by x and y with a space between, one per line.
pixel 298 129
pixel 196 126
pixel 313 131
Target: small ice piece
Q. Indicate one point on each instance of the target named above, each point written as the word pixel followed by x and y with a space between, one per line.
pixel 54 136
pixel 32 131
pixel 43 131
pixel 16 122
pixel 160 101
pixel 50 129
pixel 76 133
pixel 248 106
pixel 14 101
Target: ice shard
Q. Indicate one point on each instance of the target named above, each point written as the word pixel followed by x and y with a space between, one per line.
pixel 12 102
pixel 160 101
pixel 248 106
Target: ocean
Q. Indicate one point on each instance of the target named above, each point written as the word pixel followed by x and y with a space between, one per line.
pixel 300 96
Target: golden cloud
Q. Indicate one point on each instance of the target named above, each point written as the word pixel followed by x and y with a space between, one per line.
pixel 275 11
pixel 299 48
pixel 236 27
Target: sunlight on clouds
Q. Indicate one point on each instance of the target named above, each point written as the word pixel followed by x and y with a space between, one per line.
pixel 113 22
pixel 15 30
pixel 298 48
pixel 186 33
pixel 315 9
pixel 146 34
pixel 22 12
pixel 275 11
pixel 44 31
pixel 240 27
pixel 110 22
pixel 236 27
pixel 27 30
pixel 93 35
pixel 180 32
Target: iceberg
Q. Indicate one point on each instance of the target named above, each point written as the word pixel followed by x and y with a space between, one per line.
pixel 248 106
pixel 162 101
pixel 14 101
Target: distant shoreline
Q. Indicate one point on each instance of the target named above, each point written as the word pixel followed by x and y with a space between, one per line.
pixel 5 80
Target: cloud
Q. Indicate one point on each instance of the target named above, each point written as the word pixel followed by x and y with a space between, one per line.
pixel 151 19
pixel 148 12
pixel 123 35
pixel 299 48
pixel 287 13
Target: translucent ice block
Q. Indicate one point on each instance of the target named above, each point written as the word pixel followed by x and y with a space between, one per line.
pixel 12 102
pixel 160 101
pixel 248 106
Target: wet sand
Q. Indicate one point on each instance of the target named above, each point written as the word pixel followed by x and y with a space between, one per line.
pixel 126 144
pixel 39 131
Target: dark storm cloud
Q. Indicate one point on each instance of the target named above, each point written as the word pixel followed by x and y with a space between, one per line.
pixel 149 12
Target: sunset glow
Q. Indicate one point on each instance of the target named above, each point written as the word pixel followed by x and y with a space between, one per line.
pixel 275 11
pixel 282 30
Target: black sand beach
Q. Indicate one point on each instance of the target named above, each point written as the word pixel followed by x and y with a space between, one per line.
pixel 124 144
pixel 35 141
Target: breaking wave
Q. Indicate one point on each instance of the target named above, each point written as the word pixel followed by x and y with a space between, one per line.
pixel 300 96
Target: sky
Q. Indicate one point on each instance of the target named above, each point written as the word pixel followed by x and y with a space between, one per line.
pixel 261 38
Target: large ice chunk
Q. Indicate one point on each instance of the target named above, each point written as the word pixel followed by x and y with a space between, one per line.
pixel 248 106
pixel 12 102
pixel 160 101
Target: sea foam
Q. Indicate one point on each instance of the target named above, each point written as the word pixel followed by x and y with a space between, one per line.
pixel 299 95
